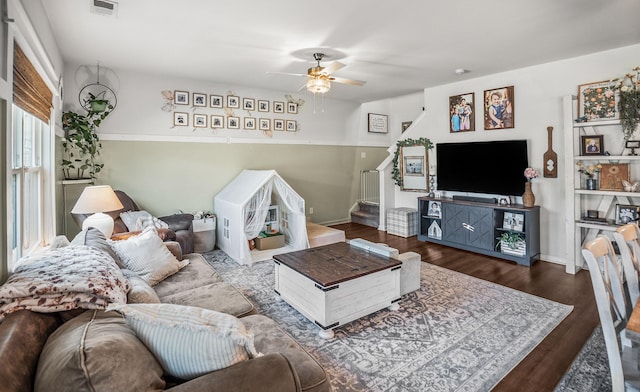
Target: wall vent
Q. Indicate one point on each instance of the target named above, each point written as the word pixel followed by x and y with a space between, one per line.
pixel 104 7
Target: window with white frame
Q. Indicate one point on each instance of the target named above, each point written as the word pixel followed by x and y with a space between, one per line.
pixel 27 182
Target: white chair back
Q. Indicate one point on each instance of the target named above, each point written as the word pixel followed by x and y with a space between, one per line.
pixel 627 237
pixel 606 279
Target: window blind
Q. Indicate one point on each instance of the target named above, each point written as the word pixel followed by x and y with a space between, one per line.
pixel 30 92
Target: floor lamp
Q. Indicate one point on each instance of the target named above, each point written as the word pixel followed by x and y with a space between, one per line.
pixel 97 200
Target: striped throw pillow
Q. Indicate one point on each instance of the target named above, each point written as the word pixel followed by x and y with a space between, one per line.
pixel 188 341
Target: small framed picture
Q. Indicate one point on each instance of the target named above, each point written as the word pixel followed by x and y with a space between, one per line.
pixel 200 120
pixel 626 214
pixel 249 123
pixel 248 103
pixel 461 113
pixel 434 230
pixel 181 119
pixel 263 106
pixel 199 99
pixel 598 101
pixel 215 101
pixel 513 221
pixel 612 175
pixel 217 121
pixel 435 209
pixel 292 107
pixel 264 124
pixel 291 126
pixel 413 165
pixel 499 110
pixel 181 97
pixel 233 102
pixel 278 107
pixel 378 123
pixel 406 125
pixel 592 145
pixel 278 125
pixel 233 122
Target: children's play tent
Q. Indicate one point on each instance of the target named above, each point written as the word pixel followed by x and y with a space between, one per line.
pixel 241 209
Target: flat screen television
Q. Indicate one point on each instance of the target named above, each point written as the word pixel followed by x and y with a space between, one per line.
pixel 495 167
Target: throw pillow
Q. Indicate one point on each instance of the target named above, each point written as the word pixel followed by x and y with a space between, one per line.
pixel 146 255
pixel 97 351
pixel 94 237
pixel 141 292
pixel 188 341
pixel 139 220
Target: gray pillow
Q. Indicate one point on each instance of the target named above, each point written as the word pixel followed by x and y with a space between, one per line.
pixel 141 292
pixel 94 237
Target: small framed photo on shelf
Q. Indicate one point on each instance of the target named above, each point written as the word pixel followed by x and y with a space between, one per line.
pixel 434 230
pixel 612 175
pixel 278 125
pixel 592 145
pixel 278 107
pixel 200 120
pixel 217 121
pixel 181 119
pixel 233 101
pixel 215 101
pixel 434 210
pixel 263 106
pixel 199 99
pixel 513 221
pixel 598 101
pixel 181 97
pixel 626 214
pixel 248 103
pixel 249 123
pixel 632 145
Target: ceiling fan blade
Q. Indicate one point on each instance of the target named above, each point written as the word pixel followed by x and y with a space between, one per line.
pixel 286 73
pixel 303 86
pixel 333 67
pixel 347 81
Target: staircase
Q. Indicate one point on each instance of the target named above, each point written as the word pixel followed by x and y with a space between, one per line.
pixel 368 214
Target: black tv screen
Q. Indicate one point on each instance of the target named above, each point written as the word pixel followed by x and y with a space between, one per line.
pixel 495 167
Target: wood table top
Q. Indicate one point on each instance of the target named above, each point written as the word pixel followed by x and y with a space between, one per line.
pixel 334 263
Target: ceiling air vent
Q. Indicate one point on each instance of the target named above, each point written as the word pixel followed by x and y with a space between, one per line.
pixel 104 7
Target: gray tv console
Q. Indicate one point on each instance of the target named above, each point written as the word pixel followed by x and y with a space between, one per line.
pixel 477 226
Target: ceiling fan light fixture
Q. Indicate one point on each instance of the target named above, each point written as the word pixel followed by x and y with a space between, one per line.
pixel 318 85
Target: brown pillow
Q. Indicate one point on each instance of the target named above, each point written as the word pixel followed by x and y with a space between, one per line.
pixel 97 351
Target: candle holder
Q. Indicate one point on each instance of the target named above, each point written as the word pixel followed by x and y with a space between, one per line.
pixel 432 185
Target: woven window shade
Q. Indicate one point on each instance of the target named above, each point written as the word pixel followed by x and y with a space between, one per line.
pixel 30 92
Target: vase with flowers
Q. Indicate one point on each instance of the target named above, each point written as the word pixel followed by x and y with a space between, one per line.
pixel 629 103
pixel 591 173
pixel 528 198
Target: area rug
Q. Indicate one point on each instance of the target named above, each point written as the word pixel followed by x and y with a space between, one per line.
pixel 457 333
pixel 590 369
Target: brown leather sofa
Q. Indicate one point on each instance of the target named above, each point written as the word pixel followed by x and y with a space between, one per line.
pixel 180 225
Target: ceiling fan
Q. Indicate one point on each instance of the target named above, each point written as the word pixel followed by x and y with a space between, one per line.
pixel 319 78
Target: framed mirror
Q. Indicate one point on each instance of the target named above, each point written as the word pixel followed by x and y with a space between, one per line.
pixel 414 168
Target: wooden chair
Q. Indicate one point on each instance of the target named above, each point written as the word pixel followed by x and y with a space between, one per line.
pixel 627 238
pixel 607 280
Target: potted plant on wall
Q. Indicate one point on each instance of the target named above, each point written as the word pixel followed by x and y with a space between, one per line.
pixel 81 145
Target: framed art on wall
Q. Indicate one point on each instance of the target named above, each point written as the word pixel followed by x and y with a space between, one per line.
pixel 414 168
pixel 181 97
pixel 199 99
pixel 217 121
pixel 263 106
pixel 249 123
pixel 278 125
pixel 292 107
pixel 499 111
pixel 200 120
pixel 181 119
pixel 592 145
pixel 378 123
pixel 215 101
pixel 233 101
pixel 598 101
pixel 248 103
pixel 264 124
pixel 461 113
pixel 291 126
pixel 406 125
pixel 278 107
pixel 233 122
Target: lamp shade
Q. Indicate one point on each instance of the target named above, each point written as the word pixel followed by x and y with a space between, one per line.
pixel 99 198
pixel 96 200
pixel 318 85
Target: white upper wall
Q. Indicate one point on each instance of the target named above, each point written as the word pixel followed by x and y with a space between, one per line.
pixel 538 104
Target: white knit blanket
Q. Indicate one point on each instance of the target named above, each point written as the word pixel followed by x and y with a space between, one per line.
pixel 67 278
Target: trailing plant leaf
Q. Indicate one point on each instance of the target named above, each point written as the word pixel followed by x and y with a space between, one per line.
pixel 629 106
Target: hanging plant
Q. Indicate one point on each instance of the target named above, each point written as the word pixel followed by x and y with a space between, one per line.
pixel 395 173
pixel 629 103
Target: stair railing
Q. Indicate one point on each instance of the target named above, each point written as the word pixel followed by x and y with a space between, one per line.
pixel 370 187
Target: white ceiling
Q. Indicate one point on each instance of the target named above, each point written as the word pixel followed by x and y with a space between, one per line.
pixel 398 47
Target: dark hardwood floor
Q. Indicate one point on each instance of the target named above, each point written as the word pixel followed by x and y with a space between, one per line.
pixel 545 365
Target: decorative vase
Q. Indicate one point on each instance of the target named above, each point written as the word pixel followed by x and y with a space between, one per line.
pixel 528 198
pixel 592 184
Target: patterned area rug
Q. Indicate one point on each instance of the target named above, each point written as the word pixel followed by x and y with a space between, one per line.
pixel 590 369
pixel 457 333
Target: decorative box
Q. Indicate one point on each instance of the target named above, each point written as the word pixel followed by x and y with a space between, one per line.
pixel 402 221
pixel 273 241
